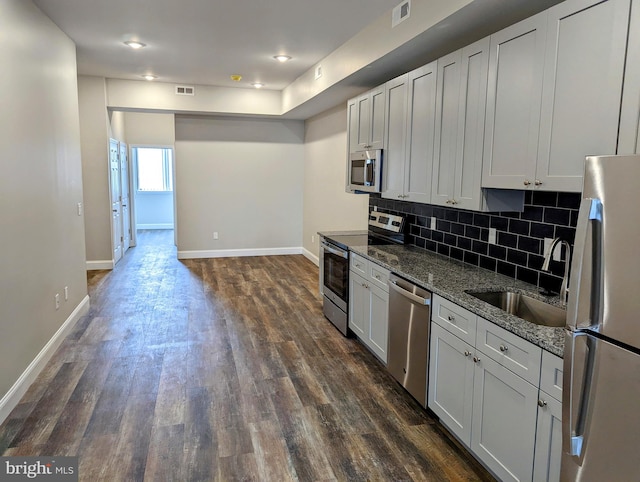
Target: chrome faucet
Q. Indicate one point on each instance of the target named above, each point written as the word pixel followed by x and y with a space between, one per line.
pixel 564 288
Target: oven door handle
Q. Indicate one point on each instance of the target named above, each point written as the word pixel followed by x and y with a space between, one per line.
pixel 337 252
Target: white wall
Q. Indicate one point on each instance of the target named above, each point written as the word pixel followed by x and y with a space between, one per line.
pixel 154 210
pixel 327 207
pixel 42 235
pixel 242 178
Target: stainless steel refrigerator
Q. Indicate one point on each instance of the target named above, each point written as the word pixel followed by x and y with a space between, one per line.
pixel 601 391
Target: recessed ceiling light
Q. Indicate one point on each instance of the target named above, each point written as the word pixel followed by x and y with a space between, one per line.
pixel 282 58
pixel 236 77
pixel 134 44
pixel 149 76
pixel 257 85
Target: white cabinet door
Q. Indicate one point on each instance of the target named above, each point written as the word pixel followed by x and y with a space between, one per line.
pixel 582 88
pixel 365 120
pixel 378 329
pixel 548 454
pixel 450 393
pixel 393 161
pixel 503 429
pixel 352 125
pixel 376 118
pixel 629 136
pixel 448 96
pixel 363 125
pixel 474 66
pixel 358 299
pixel 421 118
pixel 514 94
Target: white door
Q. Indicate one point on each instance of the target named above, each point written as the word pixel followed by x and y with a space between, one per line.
pixel 126 200
pixel 114 182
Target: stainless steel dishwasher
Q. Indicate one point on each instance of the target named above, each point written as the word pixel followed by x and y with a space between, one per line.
pixel 408 355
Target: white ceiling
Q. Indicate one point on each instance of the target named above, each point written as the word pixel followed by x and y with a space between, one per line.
pixel 205 41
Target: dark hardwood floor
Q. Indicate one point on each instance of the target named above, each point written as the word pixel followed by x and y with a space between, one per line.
pixel 223 369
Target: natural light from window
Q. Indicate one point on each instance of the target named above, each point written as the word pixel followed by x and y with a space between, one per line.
pixel 154 169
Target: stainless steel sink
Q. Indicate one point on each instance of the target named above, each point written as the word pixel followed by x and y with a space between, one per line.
pixel 524 307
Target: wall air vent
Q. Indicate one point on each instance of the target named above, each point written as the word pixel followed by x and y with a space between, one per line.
pixel 185 90
pixel 400 13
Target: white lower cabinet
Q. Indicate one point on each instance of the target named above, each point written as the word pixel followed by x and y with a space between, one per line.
pixel 369 305
pixel 491 399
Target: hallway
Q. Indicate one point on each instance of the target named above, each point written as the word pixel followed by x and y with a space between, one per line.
pixel 223 369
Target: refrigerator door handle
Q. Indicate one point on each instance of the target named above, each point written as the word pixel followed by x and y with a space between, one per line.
pixel 581 364
pixel 591 215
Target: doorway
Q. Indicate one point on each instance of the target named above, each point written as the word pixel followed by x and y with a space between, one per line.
pixel 153 187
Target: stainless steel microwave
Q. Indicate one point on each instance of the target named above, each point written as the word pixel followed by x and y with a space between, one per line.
pixel 365 170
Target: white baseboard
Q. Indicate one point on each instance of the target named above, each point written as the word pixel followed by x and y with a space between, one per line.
pixel 100 264
pixel 232 253
pixel 310 256
pixel 155 226
pixel 20 387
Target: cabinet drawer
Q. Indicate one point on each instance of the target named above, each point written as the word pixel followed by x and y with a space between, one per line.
pixel 454 319
pixel 359 264
pixel 379 276
pixel 511 351
pixel 551 375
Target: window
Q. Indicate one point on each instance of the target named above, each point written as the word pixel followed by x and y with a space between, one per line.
pixel 154 169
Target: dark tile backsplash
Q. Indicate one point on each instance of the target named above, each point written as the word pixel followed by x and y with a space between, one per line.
pixel 464 235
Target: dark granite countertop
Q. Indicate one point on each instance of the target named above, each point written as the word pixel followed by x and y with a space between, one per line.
pixel 450 279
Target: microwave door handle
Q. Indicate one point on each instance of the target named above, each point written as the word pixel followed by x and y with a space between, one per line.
pixel 369 167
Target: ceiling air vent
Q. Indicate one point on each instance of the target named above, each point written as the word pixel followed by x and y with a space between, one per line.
pixel 185 90
pixel 400 13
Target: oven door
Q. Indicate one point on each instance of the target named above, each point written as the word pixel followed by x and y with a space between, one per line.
pixel 335 270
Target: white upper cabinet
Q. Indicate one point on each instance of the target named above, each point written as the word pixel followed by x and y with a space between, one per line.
pixel 582 88
pixel 366 120
pixel 514 97
pixel 629 136
pixel 408 155
pixel 460 120
pixel 555 87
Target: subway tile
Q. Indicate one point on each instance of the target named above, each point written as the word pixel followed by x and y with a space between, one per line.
pixel 456 253
pixel 557 216
pixel 531 245
pixel 517 257
pixel 528 197
pixel 439 212
pixel 488 263
pixel 550 282
pixel 480 247
pixel 499 223
pixel 431 246
pixel 450 239
pixel 415 230
pixel 464 243
pixel 444 250
pixel 535 262
pixel 421 221
pixel 471 258
pixel 507 239
pixel 532 213
pixel 437 236
pixel 574 218
pixel 569 200
pixel 444 226
pixel 465 217
pixel 506 269
pixel 543 198
pixel 425 233
pixel 527 275
pixel 451 215
pixel 497 252
pixel 519 227
pixel 421 243
pixel 567 233
pixel 457 229
pixel 472 232
pixel 481 220
pixel 510 214
pixel 540 230
pixel 484 234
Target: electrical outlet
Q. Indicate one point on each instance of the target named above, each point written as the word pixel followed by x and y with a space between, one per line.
pixel 433 223
pixel 215 235
pixel 66 293
pixel 57 301
pixel 492 235
pixel 79 209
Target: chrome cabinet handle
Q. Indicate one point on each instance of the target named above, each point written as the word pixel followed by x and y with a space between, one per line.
pixel 542 403
pixel 476 359
pixel 527 183
pixel 454 202
pixel 503 348
pixel 377 277
pixel 467 353
pixel 538 182
pixel 451 318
